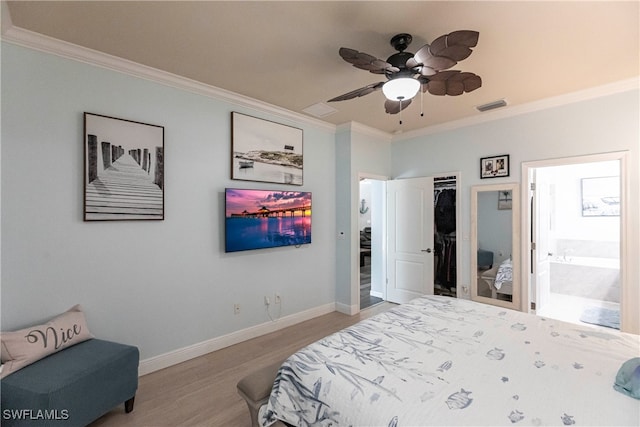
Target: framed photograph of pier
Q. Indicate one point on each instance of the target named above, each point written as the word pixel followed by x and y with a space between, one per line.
pixel 265 151
pixel 260 219
pixel 123 169
pixel 494 167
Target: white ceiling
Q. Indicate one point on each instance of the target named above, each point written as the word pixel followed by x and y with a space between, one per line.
pixel 286 53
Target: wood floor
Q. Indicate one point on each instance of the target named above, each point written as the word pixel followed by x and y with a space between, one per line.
pixel 202 391
pixel 366 300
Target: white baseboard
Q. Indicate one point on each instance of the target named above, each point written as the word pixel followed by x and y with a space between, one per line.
pixel 347 309
pixel 180 355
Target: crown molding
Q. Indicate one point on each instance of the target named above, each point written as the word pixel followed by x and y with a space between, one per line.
pixel 6 22
pixel 46 44
pixel 556 101
pixel 357 127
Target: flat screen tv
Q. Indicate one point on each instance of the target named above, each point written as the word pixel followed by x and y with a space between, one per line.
pixel 259 219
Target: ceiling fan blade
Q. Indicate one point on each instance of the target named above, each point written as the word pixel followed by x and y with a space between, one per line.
pixel 454 87
pixel 452 83
pixel 377 66
pixel 424 56
pixel 440 63
pixel 455 46
pixel 367 62
pixel 358 92
pixel 470 81
pixel 421 56
pixel 456 53
pixel 437 87
pixel 427 71
pixel 444 75
pixel 467 38
pixel 394 107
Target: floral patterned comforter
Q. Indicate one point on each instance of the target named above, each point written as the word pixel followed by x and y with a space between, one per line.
pixel 446 361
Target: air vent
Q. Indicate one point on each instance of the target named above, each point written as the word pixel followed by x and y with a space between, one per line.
pixel 492 105
pixel 320 110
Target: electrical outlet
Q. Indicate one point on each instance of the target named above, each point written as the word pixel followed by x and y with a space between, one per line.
pixel 236 308
pixel 267 301
pixel 277 299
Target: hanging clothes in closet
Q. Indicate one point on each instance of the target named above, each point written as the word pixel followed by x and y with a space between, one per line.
pixel 445 234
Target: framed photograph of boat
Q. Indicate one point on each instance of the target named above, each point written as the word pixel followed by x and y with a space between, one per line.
pixel 265 151
pixel 601 196
pixel 123 169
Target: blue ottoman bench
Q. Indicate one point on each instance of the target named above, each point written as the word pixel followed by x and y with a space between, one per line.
pixel 72 387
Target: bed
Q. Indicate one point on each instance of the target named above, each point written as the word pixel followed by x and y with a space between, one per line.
pixel 445 361
pixel 499 278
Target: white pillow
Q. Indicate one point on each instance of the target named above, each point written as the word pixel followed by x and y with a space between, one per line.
pixel 23 347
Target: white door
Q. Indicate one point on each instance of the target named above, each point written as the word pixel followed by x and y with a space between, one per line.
pixel 409 239
pixel 541 241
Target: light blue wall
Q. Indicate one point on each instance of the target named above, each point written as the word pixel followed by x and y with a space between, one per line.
pixel 167 285
pixel 160 285
pixel 343 219
pixel 358 152
pixel 599 125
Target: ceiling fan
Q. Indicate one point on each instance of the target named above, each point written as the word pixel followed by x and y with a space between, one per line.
pixel 407 73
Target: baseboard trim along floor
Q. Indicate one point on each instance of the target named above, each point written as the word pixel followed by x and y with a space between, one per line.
pixel 180 355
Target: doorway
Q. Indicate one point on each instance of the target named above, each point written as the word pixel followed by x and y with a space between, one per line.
pixel 440 249
pixel 576 240
pixel 410 235
pixel 445 202
pixel 371 228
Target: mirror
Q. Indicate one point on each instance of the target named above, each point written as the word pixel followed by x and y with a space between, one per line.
pixel 495 245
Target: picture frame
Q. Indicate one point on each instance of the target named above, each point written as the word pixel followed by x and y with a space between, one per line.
pixel 265 151
pixel 494 167
pixel 600 196
pixel 123 169
pixel 505 199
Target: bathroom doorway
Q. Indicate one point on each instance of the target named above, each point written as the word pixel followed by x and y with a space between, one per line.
pixel 576 241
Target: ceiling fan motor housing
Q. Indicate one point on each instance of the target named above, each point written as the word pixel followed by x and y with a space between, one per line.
pixel 401 41
pixel 399 60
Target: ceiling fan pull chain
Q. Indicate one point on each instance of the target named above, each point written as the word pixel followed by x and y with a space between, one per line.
pixel 421 103
pixel 400 110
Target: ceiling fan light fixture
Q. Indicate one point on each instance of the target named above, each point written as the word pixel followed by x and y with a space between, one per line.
pixel 401 89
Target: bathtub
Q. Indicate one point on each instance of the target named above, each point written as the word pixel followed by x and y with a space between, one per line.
pixel 588 261
pixel 586 277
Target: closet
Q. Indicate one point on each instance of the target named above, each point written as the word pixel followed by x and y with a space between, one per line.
pixel 444 238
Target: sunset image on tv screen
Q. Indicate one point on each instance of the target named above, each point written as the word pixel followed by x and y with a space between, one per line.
pixel 258 219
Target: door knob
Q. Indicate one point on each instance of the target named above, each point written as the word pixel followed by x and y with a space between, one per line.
pixel 426 250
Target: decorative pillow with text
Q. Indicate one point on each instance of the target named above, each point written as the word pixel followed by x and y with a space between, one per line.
pixel 23 347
